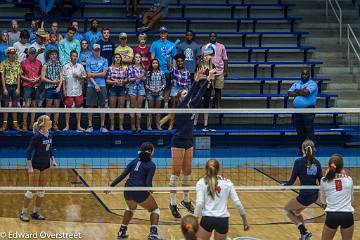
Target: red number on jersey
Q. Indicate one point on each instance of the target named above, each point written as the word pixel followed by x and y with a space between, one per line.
pixel 338 185
pixel 218 189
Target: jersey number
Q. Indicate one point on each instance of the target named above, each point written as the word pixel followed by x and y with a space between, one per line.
pixel 338 185
pixel 137 166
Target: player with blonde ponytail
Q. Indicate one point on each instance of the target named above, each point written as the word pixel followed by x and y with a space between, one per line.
pixel 212 193
pixel 308 169
pixel 40 159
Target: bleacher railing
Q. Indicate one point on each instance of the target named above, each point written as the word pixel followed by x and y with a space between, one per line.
pixel 354 45
pixel 338 15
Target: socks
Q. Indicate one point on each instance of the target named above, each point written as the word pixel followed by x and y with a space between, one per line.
pixel 36 209
pixel 186 197
pixel 302 229
pixel 173 199
pixel 153 229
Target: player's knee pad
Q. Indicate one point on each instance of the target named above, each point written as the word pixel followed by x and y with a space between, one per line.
pixel 173 180
pixel 186 180
pixel 130 210
pixel 40 194
pixel 156 211
pixel 29 195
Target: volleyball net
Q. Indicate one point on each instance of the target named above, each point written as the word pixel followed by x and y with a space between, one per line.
pixel 255 147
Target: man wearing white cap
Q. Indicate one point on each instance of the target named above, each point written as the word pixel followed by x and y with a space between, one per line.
pixel 124 50
pixel 10 71
pixel 159 50
pixel 96 70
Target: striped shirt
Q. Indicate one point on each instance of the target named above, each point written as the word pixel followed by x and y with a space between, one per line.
pixel 135 72
pixel 52 73
pixel 117 73
pixel 155 80
pixel 181 78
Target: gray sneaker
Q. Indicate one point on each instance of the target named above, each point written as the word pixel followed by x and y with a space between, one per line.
pixel 24 217
pixel 103 129
pixel 89 129
pixel 306 236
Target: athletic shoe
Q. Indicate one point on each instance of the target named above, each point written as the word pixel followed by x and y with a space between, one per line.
pixel 154 236
pixel 37 216
pixel 24 217
pixel 174 211
pixel 143 29
pixel 89 129
pixel 122 233
pixel 188 206
pixel 306 236
pixel 103 130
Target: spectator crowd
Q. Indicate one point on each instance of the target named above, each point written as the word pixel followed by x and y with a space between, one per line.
pixel 40 68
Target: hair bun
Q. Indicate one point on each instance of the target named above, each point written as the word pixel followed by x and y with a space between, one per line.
pixel 333 165
pixel 189 227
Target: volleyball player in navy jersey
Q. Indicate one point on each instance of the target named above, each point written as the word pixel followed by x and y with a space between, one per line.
pixel 141 170
pixel 308 170
pixel 182 141
pixel 40 159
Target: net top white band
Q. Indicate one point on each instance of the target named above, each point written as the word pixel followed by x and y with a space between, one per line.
pixel 153 189
pixel 192 110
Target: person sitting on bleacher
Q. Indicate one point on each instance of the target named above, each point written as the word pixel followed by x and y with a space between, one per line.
pixel 304 92
pixel 152 16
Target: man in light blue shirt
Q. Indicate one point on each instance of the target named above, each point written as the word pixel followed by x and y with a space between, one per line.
pixel 96 70
pixel 304 92
pixel 159 50
pixel 93 36
pixel 67 45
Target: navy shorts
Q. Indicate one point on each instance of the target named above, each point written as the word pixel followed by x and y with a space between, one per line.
pixel 177 142
pixel 11 93
pixel 219 224
pixel 41 167
pixel 307 200
pixel 50 93
pixel 136 196
pixel 343 219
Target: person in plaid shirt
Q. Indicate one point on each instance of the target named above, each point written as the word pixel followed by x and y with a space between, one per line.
pixel 155 84
pixel 117 78
pixel 137 78
pixel 181 80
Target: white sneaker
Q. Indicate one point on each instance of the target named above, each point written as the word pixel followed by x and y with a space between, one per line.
pixel 103 130
pixel 89 129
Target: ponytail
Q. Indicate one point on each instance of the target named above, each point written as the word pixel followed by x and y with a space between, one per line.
pixel 336 165
pixel 189 227
pixel 39 123
pixel 212 169
pixel 146 151
pixel 308 148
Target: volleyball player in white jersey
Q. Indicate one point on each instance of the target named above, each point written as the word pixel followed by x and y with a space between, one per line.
pixel 336 191
pixel 212 193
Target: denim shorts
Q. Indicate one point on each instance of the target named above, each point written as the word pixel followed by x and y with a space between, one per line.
pixel 50 93
pixel 155 96
pixel 11 93
pixel 32 93
pixel 137 90
pixel 118 91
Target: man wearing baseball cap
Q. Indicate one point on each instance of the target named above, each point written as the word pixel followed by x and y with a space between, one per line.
pixel 96 70
pixel 159 50
pixel 124 50
pixel 10 71
pixel 31 73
